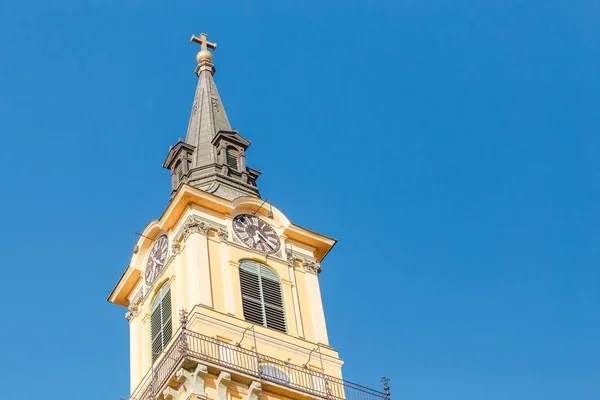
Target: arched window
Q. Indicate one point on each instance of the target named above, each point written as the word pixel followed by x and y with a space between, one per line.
pixel 161 326
pixel 232 158
pixel 262 298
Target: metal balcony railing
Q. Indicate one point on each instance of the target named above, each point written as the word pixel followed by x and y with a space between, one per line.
pixel 189 344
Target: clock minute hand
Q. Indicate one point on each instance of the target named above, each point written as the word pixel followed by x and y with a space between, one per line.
pixel 265 240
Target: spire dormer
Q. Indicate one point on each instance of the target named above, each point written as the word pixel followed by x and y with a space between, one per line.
pixel 212 158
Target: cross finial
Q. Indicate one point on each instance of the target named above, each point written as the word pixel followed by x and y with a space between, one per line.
pixel 204 44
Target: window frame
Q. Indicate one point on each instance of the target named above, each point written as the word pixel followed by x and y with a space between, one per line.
pixel 235 156
pixel 263 272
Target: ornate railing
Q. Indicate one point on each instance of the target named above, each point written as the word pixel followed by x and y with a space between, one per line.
pixel 263 368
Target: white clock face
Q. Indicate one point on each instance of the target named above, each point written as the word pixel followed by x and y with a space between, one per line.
pixel 256 233
pixel 156 259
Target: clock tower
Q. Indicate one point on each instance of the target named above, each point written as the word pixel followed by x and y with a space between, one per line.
pixel 222 291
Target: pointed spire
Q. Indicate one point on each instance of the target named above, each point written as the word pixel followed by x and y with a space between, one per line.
pixel 212 158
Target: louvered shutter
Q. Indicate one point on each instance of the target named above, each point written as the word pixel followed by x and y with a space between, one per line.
pixel 273 304
pixel 161 326
pixel 232 158
pixel 251 298
pixel 167 325
pixel 262 298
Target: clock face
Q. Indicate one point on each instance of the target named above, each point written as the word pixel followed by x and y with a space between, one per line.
pixel 256 233
pixel 156 259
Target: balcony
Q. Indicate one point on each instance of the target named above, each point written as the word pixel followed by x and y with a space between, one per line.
pixel 189 348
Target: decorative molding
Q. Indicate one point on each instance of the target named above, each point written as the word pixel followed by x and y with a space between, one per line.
pixel 192 227
pixel 175 248
pixel 223 234
pixel 139 296
pixel 254 390
pixel 169 393
pixel 183 317
pixel 193 380
pixel 222 382
pixel 311 266
pixel 195 224
pixel 132 312
pixel 261 255
pixel 309 263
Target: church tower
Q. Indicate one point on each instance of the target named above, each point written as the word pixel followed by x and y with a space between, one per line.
pixel 222 291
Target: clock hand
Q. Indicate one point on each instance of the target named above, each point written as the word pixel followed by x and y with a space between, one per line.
pixel 265 239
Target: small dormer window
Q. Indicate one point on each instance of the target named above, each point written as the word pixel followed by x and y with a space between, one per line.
pixel 232 158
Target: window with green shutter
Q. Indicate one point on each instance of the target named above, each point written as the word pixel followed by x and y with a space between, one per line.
pixel 262 298
pixel 161 326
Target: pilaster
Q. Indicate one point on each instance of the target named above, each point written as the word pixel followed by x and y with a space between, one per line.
pixel 180 281
pixel 197 263
pixel 291 261
pixel 316 303
pixel 135 350
pixel 226 271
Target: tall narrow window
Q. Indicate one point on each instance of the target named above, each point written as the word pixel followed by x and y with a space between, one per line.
pixel 161 326
pixel 262 299
pixel 232 158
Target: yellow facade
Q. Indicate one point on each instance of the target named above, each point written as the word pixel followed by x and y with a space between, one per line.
pixel 192 274
pixel 202 271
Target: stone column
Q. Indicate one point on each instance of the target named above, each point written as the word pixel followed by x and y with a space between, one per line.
pixel 316 303
pixel 226 271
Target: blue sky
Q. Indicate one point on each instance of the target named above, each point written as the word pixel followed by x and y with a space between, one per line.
pixel 451 147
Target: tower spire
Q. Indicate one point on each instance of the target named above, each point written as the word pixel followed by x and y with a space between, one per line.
pixel 212 158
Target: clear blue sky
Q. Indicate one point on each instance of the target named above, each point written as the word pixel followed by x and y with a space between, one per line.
pixel 468 130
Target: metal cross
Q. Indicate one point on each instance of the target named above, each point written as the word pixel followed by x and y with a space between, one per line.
pixel 204 44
